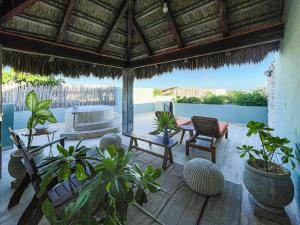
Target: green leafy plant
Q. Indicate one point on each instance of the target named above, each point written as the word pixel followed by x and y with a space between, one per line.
pixel 40 113
pixel 264 158
pixel 252 98
pixel 113 185
pixel 211 98
pixel 32 79
pixel 165 121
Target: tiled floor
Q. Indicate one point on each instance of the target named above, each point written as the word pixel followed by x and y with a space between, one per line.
pixel 227 159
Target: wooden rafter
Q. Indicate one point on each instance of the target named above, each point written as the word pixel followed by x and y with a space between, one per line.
pixel 117 19
pixel 19 7
pixel 172 25
pixel 27 44
pixel 263 35
pixel 142 37
pixel 66 20
pixel 223 18
pixel 129 29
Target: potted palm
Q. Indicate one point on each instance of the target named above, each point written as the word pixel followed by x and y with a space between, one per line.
pixel 164 122
pixel 268 182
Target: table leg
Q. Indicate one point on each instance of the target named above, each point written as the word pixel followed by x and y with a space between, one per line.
pixel 165 159
pixel 182 135
pixel 130 144
pixel 191 133
pixel 49 140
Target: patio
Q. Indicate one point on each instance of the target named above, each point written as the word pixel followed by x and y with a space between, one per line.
pixel 139 40
pixel 227 159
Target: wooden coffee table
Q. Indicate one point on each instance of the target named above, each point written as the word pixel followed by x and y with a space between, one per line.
pixel 153 140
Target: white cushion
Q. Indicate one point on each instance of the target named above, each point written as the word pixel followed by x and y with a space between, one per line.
pixel 203 176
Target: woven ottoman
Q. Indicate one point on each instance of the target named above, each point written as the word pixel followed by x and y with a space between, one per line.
pixel 203 176
pixel 110 139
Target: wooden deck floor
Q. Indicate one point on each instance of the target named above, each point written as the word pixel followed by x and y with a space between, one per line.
pixel 227 159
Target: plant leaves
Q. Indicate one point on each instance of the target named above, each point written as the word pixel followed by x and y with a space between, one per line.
pixel 80 172
pixel 31 101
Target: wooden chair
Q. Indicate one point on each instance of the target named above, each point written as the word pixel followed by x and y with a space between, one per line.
pixel 208 134
pixel 15 198
pixel 58 193
pixel 179 122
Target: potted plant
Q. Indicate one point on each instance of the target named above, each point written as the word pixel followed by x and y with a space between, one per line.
pixel 164 122
pixel 113 185
pixel 268 182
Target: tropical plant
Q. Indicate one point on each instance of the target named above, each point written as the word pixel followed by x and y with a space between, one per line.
pixel 264 158
pixel 253 98
pixel 32 79
pixel 165 121
pixel 211 98
pixel 113 185
pixel 40 113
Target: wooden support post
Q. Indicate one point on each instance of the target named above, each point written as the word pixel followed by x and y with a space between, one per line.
pixel 127 100
pixel 1 141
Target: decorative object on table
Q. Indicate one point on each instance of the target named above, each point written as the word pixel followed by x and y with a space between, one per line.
pixel 110 139
pixel 179 122
pixel 41 129
pixel 209 132
pixel 101 193
pixel 40 113
pixel 16 168
pixel 203 176
pixel 164 122
pixel 269 183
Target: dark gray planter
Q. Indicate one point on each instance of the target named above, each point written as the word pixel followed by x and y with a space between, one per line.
pixel 270 192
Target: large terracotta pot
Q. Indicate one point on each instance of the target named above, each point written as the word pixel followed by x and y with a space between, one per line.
pixel 271 192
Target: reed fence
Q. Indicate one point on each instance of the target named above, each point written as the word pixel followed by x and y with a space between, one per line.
pixel 63 96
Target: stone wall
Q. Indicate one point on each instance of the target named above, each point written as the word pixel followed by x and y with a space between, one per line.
pixel 271 95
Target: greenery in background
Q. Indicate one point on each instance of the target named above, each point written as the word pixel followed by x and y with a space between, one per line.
pixel 40 113
pixel 113 185
pixel 157 92
pixel 251 98
pixel 26 78
pixel 264 158
pixel 165 121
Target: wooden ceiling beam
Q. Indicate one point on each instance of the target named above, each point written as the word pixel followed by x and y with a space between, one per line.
pixel 66 21
pixel 116 21
pixel 263 35
pixel 172 26
pixel 27 44
pixel 142 37
pixel 223 18
pixel 129 29
pixel 9 12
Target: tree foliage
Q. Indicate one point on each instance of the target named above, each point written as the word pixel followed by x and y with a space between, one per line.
pixel 32 79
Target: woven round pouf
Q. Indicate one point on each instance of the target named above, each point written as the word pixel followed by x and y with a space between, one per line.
pixel 110 139
pixel 203 176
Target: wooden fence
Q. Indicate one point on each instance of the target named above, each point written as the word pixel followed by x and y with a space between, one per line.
pixel 63 96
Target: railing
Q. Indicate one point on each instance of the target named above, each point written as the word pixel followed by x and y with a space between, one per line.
pixel 63 96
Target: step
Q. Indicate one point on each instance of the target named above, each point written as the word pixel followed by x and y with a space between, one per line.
pixel 97 125
pixel 76 135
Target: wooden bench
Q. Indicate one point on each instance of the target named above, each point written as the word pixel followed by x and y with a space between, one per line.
pixel 153 140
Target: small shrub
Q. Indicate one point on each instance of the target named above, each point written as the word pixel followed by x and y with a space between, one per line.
pixel 253 98
pixel 192 100
pixel 213 99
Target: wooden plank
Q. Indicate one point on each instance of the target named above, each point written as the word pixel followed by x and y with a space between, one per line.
pixel 22 43
pixel 18 8
pixel 127 100
pixel 172 25
pixel 116 21
pixel 223 18
pixel 213 209
pixel 129 29
pixel 260 36
pixel 66 21
pixel 152 139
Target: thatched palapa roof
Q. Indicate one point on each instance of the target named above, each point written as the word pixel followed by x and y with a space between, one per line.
pixel 101 37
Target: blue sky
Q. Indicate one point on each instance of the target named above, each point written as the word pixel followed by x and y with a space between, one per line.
pixel 249 76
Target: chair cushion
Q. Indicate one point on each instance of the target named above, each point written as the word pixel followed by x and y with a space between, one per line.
pixel 222 128
pixel 203 176
pixel 183 121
